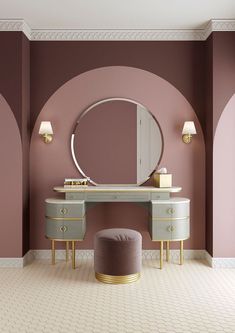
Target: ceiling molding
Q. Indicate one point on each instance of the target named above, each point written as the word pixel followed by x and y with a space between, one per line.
pixel 117 34
pixel 218 25
pixel 16 25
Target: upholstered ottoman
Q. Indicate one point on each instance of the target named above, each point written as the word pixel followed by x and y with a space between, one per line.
pixel 117 255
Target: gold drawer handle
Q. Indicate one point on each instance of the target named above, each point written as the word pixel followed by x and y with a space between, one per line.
pixel 63 211
pixel 63 228
pixel 170 211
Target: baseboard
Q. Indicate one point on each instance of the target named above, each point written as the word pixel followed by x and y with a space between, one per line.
pixel 146 254
pixel 28 258
pixel 17 262
pixel 174 254
pixel 60 254
pixel 12 262
pixel 208 258
pixel 220 262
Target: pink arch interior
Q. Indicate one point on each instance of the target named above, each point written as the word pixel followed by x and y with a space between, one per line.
pixel 11 184
pixel 50 164
pixel 224 184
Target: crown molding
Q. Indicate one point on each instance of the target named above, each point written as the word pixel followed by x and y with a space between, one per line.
pixel 116 34
pixel 218 25
pixel 16 25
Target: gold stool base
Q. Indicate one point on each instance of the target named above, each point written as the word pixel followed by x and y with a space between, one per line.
pixel 117 279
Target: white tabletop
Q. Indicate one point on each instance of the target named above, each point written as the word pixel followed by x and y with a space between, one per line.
pixel 118 188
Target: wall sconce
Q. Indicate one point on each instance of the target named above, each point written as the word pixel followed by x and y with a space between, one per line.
pixel 46 131
pixel 188 130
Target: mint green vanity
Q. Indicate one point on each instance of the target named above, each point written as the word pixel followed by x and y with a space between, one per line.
pixel 169 217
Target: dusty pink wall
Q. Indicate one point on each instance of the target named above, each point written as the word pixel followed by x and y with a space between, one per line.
pixel 108 133
pixel 224 184
pixel 11 184
pixel 50 164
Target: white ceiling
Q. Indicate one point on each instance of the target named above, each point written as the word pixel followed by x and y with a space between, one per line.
pixel 118 14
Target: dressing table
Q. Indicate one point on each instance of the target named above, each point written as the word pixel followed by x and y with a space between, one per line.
pixel 140 150
pixel 168 216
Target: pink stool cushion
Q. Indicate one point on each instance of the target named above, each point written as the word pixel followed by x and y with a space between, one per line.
pixel 117 251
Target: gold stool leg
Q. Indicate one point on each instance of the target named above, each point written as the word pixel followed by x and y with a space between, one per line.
pixel 53 252
pixel 67 250
pixel 181 252
pixel 73 254
pixel 161 254
pixel 168 251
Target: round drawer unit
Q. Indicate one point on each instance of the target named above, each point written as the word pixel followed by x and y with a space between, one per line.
pixel 58 208
pixel 64 229
pixel 172 208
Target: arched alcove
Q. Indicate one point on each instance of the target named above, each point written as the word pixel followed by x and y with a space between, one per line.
pixel 11 183
pixel 50 164
pixel 224 183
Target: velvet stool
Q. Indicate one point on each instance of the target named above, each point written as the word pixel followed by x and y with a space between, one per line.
pixel 117 255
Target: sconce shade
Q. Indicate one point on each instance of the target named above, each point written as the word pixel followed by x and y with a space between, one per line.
pixel 45 128
pixel 189 128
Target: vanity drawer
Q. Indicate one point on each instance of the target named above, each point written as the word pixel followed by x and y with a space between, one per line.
pixel 65 209
pixel 54 229
pixel 171 208
pixel 160 195
pixel 180 229
pixel 170 230
pixel 160 230
pixel 118 197
pixel 75 196
pixel 64 229
pixel 74 229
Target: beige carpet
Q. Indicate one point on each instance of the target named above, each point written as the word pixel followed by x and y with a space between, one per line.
pixel 189 298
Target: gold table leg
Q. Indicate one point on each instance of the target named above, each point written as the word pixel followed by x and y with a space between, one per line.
pixel 67 250
pixel 181 252
pixel 53 252
pixel 161 254
pixel 168 251
pixel 73 254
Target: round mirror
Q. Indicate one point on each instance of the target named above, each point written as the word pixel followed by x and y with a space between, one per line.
pixel 116 141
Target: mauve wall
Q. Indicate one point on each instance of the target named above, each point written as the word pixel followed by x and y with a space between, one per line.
pixel 106 143
pixel 223 72
pixel 25 135
pixel 11 184
pixel 202 71
pixel 50 164
pixel 182 63
pixel 209 143
pixel 10 69
pixel 14 86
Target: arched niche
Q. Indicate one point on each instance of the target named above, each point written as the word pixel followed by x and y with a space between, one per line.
pixel 11 183
pixel 50 164
pixel 224 183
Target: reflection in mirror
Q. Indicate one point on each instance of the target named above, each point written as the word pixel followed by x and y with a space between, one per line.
pixel 116 141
